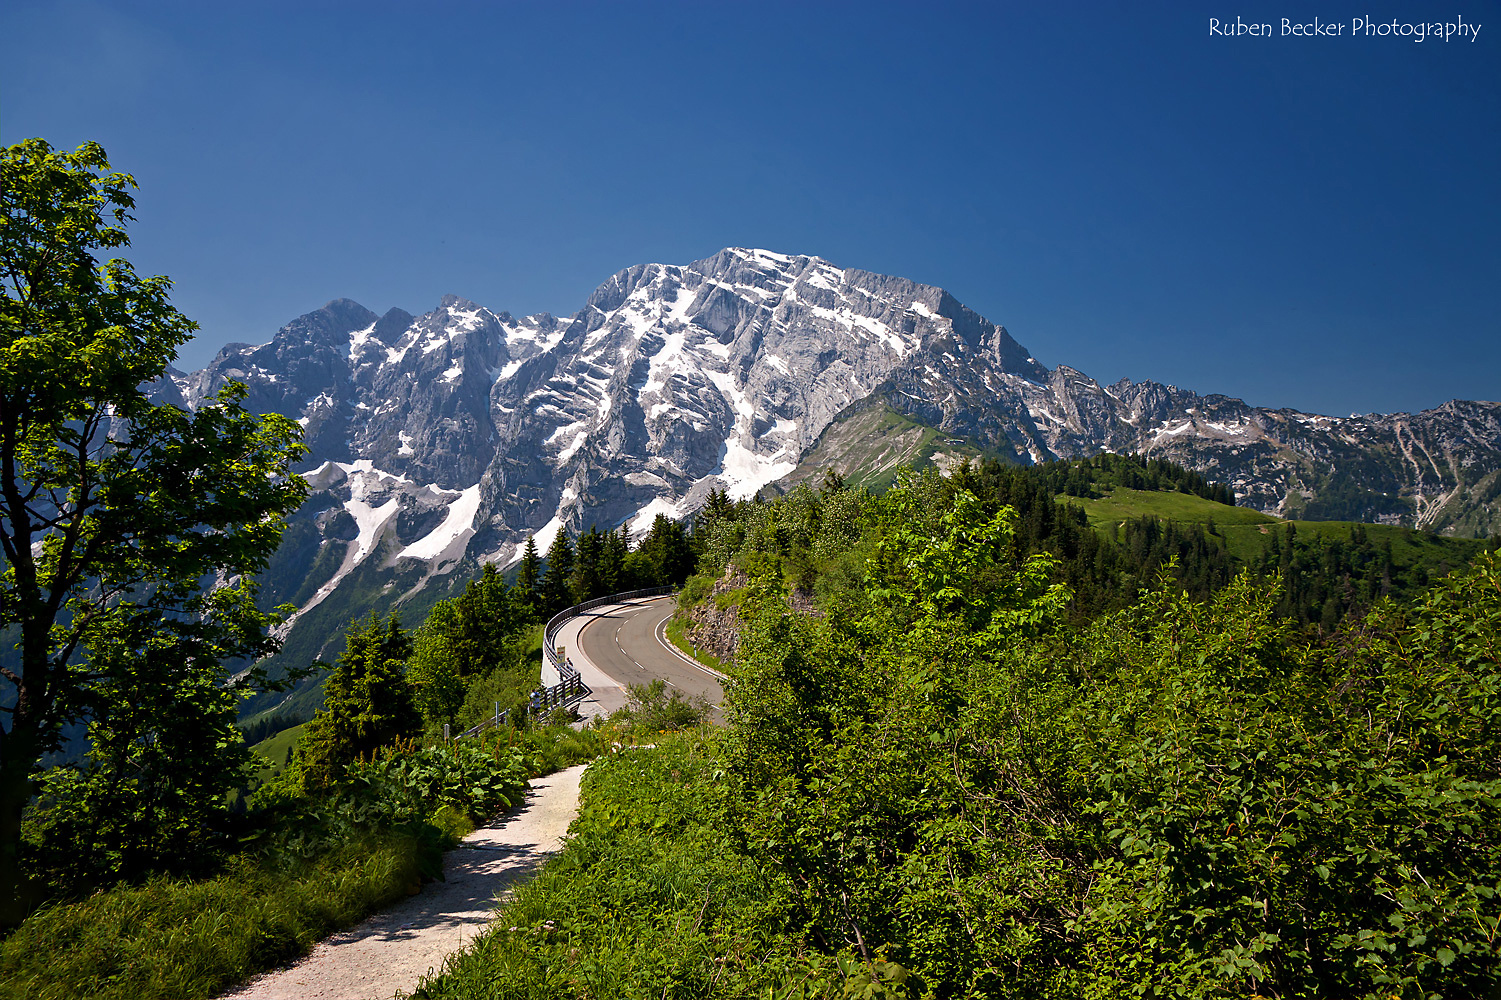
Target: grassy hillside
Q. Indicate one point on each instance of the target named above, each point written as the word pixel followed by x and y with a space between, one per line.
pixel 869 442
pixel 1247 535
pixel 272 753
pixel 1121 504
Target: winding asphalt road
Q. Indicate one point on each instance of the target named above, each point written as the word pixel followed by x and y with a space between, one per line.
pixel 624 644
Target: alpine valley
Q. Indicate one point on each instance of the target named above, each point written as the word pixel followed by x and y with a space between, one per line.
pixel 443 441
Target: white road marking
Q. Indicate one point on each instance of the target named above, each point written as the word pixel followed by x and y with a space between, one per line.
pixel 665 643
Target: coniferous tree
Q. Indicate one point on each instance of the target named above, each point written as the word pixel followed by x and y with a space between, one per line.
pixel 464 641
pixel 488 619
pixel 716 508
pixel 586 581
pixel 556 591
pixel 367 702
pixel 612 566
pixel 667 551
pixel 529 578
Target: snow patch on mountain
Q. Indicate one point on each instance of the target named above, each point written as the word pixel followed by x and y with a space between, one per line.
pixel 371 521
pixel 446 543
pixel 672 381
pixel 642 521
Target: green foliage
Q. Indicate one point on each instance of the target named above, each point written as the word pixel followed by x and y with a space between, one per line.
pixel 469 651
pixel 1330 571
pixel 529 577
pixel 665 557
pixel 587 580
pixel 467 776
pixel 367 703
pixel 803 536
pixel 484 626
pixel 944 789
pixel 151 795
pixel 438 688
pixel 553 744
pixel 1280 822
pixel 838 744
pixel 404 784
pixel 557 592
pixel 1182 799
pixel 651 709
pixel 600 563
pixel 313 856
pixel 960 565
pixel 178 940
pixel 650 898
pixel 115 510
pixel 511 690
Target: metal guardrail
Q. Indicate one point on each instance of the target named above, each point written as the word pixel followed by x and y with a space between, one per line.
pixel 570 687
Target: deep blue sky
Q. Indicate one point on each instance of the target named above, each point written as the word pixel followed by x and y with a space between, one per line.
pixel 1298 222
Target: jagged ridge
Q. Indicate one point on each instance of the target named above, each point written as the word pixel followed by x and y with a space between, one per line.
pixel 454 435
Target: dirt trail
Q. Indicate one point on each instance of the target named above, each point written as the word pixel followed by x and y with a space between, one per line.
pixel 392 950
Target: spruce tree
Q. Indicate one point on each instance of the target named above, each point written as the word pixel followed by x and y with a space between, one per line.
pixel 487 621
pixel 529 578
pixel 585 583
pixel 612 572
pixel 668 551
pixel 555 581
pixel 367 702
pixel 716 509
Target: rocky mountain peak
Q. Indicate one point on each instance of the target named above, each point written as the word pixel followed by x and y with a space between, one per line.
pixel 458 433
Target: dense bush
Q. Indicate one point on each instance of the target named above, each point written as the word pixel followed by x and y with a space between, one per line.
pixel 1184 798
pixel 651 709
pixel 467 776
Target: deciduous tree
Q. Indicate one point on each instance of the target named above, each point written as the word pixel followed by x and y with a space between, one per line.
pixel 114 511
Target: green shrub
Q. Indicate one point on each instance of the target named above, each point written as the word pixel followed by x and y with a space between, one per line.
pixel 651 709
pixel 695 590
pixel 407 782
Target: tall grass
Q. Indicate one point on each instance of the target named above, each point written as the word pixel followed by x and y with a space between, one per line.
pixel 175 939
pixel 178 940
pixel 648 899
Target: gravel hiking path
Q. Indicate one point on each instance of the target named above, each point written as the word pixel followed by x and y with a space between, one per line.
pixel 392 950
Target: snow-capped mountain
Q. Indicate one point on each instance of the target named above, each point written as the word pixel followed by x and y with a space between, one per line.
pixel 457 434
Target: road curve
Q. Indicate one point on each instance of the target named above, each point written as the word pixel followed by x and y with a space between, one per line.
pixel 622 644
